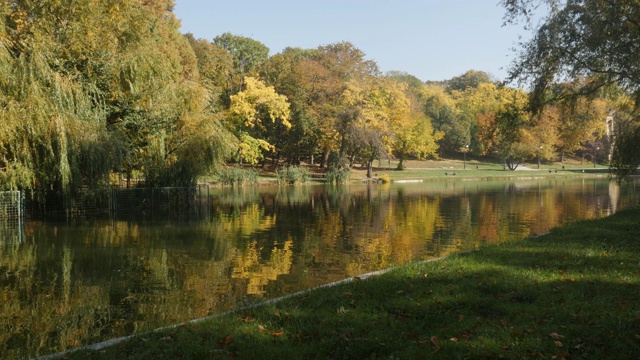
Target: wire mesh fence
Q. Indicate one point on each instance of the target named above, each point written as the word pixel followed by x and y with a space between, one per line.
pixel 11 215
pixel 169 201
pixel 11 205
pixel 161 200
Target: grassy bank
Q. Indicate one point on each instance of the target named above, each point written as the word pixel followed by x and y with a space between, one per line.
pixel 446 170
pixel 451 169
pixel 572 293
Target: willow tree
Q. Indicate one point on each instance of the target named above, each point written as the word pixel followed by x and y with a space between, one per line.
pixel 90 88
pixel 52 136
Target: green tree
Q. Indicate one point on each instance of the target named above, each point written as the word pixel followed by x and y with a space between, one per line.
pixel 442 109
pixel 95 87
pixel 247 54
pixel 346 67
pixel 215 68
pixel 470 79
pixel 477 112
pixel 295 74
pixel 583 39
pixel 514 143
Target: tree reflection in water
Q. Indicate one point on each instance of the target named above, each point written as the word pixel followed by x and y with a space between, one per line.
pixel 67 285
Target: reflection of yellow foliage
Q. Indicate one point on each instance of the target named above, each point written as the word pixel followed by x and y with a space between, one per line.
pixel 251 220
pixel 259 272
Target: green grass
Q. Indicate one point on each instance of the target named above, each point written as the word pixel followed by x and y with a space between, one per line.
pixel 574 293
pixel 450 169
pixel 425 170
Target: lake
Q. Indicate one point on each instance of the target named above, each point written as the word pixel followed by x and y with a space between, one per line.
pixel 69 284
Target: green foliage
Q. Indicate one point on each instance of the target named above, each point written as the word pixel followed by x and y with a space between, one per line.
pixel 15 176
pixel 338 175
pixel 293 175
pixel 90 88
pixel 592 40
pixel 237 176
pixel 470 79
pixel 626 153
pixel 339 170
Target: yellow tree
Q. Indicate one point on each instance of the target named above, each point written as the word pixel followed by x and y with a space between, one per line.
pixel 580 120
pixel 416 136
pixel 258 115
pixel 441 108
pixel 346 67
pixel 514 143
pixel 367 120
pixel 479 106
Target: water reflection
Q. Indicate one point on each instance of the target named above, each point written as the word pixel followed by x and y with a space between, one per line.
pixel 66 285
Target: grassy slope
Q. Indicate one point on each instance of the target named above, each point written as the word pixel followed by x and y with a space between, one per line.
pixel 572 293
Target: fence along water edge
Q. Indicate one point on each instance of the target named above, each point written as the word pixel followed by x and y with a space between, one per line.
pixel 15 206
pixel 11 216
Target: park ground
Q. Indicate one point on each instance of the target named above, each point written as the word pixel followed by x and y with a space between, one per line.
pixel 454 169
pixel 572 293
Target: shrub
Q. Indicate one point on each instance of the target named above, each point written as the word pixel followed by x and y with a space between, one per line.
pixel 238 176
pixel 338 175
pixel 293 175
pixel 384 178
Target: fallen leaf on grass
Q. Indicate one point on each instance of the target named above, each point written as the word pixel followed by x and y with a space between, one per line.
pixel 558 343
pixel 434 341
pixel 226 341
pixel 278 333
pixel 556 336
pixel 453 339
pixel 342 310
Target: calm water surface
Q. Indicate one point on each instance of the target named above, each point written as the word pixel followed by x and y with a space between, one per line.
pixel 64 285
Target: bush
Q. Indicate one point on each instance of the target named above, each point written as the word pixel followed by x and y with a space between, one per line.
pixel 339 169
pixel 238 176
pixel 293 175
pixel 385 178
pixel 338 175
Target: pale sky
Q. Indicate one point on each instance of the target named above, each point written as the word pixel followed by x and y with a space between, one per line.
pixel 430 39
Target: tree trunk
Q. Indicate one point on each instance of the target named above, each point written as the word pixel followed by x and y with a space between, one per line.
pixel 325 159
pixel 511 164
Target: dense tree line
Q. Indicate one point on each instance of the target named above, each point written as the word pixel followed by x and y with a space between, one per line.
pixel 93 93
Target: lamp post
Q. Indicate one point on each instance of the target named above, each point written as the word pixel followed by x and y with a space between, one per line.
pixel 464 164
pixel 595 155
pixel 540 150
